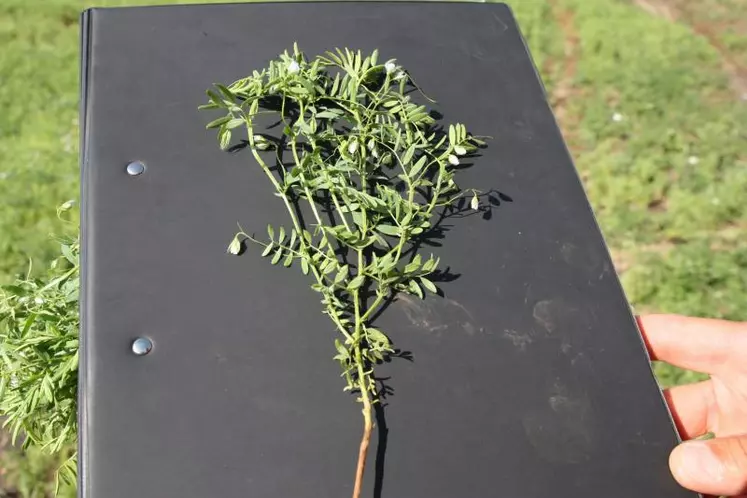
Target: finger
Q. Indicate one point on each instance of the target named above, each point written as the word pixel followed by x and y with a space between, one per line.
pixel 700 344
pixel 691 406
pixel 715 467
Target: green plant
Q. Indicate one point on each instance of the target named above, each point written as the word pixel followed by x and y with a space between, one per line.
pixel 371 168
pixel 39 323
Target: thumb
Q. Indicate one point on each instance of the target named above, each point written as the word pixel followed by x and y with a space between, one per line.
pixel 715 467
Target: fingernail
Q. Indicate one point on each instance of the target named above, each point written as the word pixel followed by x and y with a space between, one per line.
pixel 696 458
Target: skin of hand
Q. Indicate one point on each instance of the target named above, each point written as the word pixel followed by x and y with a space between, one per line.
pixel 719 405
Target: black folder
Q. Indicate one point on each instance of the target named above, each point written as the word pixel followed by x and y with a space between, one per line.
pixel 528 378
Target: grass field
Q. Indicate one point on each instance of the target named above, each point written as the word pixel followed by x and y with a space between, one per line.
pixel 651 96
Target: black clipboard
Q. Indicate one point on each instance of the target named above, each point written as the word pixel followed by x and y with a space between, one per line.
pixel 529 377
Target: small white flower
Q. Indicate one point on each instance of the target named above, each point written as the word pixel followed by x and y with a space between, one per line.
pixel 38 300
pixel 460 151
pixel 261 143
pixel 67 206
pixel 453 160
pixel 475 204
pixel 352 147
pixel 13 381
pixel 23 299
pixel 617 117
pixel 293 67
pixel 693 160
pixel 400 75
pixel 235 246
pixel 390 67
pixel 375 153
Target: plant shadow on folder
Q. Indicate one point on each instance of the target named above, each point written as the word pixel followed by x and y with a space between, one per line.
pixel 434 236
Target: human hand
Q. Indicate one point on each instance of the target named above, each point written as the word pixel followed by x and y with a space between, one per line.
pixel 719 405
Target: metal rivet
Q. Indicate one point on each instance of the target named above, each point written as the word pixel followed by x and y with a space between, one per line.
pixel 142 346
pixel 135 168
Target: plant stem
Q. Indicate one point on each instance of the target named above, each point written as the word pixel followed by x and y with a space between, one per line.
pixel 367 426
pixel 337 205
pixel 365 391
pixel 379 299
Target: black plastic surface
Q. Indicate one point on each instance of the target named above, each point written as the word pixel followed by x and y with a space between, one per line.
pixel 528 380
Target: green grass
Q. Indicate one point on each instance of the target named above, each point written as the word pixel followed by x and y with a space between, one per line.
pixel 725 21
pixel 38 128
pixel 675 168
pixel 667 182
